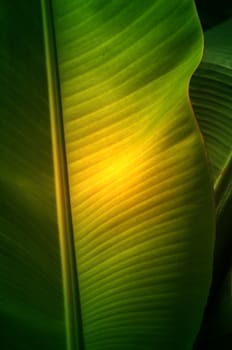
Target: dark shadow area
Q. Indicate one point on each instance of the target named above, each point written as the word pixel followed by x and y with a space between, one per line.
pixel 213 12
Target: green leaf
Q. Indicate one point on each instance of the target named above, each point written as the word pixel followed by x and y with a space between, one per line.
pixel 211 91
pixel 31 297
pixel 140 216
pixel 140 193
pixel 211 95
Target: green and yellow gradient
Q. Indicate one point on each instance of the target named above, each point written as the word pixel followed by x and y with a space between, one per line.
pixel 31 295
pixel 141 198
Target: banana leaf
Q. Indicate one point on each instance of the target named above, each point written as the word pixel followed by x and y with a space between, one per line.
pixel 107 220
pixel 31 293
pixel 211 95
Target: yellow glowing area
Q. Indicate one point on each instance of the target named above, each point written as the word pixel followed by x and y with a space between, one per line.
pixel 113 177
pixel 117 170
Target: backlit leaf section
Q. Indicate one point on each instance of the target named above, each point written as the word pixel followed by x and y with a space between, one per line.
pixel 140 193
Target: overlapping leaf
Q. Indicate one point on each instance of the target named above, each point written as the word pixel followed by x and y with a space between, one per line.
pixel 211 94
pixel 140 191
pixel 31 297
pixel 139 183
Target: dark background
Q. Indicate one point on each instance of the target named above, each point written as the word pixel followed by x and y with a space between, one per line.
pixel 212 12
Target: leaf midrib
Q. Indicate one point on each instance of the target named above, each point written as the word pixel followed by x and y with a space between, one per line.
pixel 72 304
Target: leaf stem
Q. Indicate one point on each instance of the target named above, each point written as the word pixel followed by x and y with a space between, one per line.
pixel 72 306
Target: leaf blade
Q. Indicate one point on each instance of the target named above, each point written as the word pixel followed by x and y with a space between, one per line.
pixel 108 80
pixel 211 91
pixel 31 300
